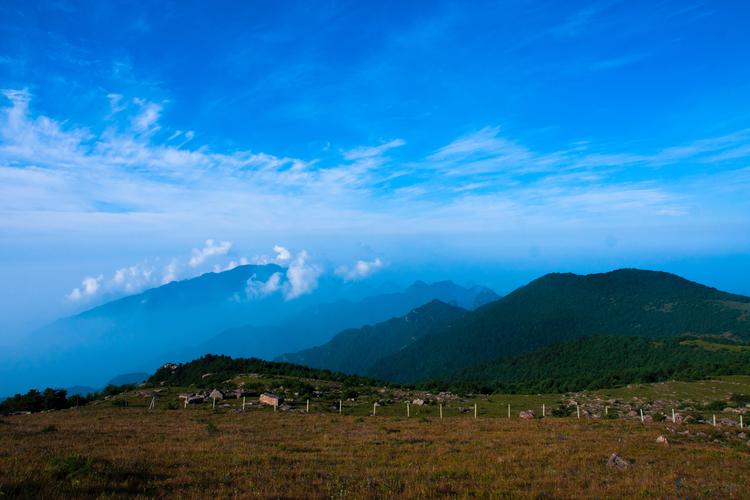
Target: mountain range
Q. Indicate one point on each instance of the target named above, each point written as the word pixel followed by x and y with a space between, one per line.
pixel 453 346
pixel 220 313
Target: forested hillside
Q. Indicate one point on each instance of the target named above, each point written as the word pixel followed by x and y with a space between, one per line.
pixel 562 307
pixel 600 362
pixel 356 349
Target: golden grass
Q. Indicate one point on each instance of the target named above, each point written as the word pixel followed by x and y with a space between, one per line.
pixel 200 454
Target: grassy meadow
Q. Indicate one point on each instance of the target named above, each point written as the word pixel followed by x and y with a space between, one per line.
pixel 108 449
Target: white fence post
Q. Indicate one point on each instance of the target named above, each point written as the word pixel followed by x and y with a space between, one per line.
pixel 714 420
pixel 475 410
pixel 213 405
pixel 373 408
pixel 408 411
pixel 508 410
pixel 740 422
pixel 441 414
pixel 578 411
pixel 673 416
pixel 543 410
pixel 642 420
pixel 243 403
pixel 307 409
pixel 339 406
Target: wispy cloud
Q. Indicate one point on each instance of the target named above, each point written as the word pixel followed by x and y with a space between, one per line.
pixel 136 172
pixel 210 249
pixel 360 270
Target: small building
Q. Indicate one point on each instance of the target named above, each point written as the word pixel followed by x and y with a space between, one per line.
pixel 270 399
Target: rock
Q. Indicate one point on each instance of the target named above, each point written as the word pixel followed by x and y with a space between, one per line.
pixel 617 461
pixel 418 402
pixel 678 419
pixel 527 414
pixel 662 440
pixel 216 394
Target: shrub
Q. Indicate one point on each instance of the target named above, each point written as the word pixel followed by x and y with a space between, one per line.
pixel 562 411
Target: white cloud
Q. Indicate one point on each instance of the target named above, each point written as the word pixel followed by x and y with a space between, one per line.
pixel 170 272
pixel 116 103
pixel 282 254
pixel 146 120
pixel 133 279
pixel 302 278
pixel 360 270
pixel 58 177
pixel 89 287
pixel 372 151
pixel 209 250
pixel 257 289
pixel 231 265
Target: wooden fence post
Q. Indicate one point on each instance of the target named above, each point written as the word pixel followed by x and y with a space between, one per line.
pixel 408 411
pixel 243 403
pixel 740 422
pixel 673 416
pixel 508 410
pixel 543 410
pixel 441 414
pixel 606 410
pixel 373 408
pixel 714 420
pixel 213 405
pixel 307 408
pixel 578 410
pixel 475 410
pixel 339 406
pixel 642 418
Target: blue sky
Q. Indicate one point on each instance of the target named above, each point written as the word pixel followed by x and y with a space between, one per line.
pixel 487 142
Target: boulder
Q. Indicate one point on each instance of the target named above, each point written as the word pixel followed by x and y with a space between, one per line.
pixel 662 440
pixel 527 414
pixel 618 462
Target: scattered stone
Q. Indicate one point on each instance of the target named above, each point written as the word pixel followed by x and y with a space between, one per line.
pixel 617 461
pixel 662 440
pixel 419 402
pixel 527 415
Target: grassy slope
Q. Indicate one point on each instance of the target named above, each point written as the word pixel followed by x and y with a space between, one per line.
pixel 199 454
pixel 561 307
